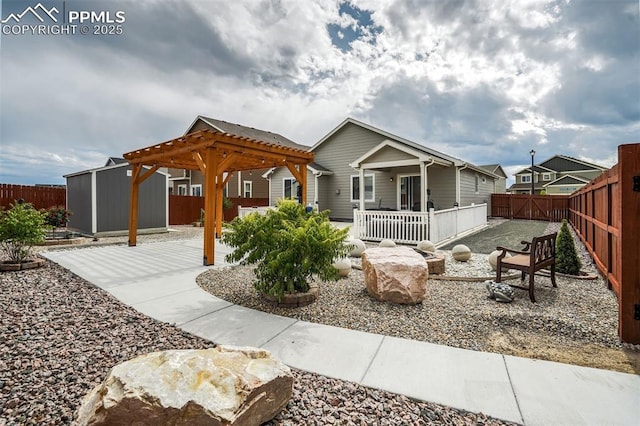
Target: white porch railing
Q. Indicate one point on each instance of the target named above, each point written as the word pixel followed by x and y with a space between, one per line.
pixel 243 211
pixel 413 227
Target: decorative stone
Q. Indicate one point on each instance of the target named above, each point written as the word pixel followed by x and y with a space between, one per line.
pixel 500 292
pixel 395 274
pixel 387 243
pixel 426 246
pixel 343 266
pixel 358 247
pixel 493 259
pixel 461 253
pixel 436 264
pixel 219 386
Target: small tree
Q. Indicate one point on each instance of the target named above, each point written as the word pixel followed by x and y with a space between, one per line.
pixel 21 227
pixel 567 261
pixel 288 246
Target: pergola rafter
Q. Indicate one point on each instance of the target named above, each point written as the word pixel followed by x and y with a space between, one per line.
pixel 214 154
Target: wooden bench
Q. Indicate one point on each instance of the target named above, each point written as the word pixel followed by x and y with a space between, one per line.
pixel 538 254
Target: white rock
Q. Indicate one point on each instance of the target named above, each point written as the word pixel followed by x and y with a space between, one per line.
pixel 358 247
pixel 387 243
pixel 343 266
pixel 461 253
pixel 397 274
pixel 493 259
pixel 223 385
pixel 426 246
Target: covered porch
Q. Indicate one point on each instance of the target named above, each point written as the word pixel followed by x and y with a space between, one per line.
pixel 217 155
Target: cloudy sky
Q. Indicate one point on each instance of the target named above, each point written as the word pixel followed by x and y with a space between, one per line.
pixel 483 80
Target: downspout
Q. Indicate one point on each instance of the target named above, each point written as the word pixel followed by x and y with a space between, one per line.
pixel 316 175
pixel 424 182
pixel 458 170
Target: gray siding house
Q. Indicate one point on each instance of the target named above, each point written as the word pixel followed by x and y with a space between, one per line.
pixel 99 200
pixel 396 174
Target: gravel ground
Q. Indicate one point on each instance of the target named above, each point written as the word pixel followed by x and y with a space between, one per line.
pixel 575 323
pixel 60 335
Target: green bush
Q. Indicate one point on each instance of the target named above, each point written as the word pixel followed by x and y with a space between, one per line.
pixel 57 217
pixel 288 247
pixel 21 227
pixel 567 261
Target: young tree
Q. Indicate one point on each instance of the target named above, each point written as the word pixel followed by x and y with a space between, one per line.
pixel 567 261
pixel 288 246
pixel 21 227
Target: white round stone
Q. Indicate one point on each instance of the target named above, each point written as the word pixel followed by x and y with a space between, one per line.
pixel 461 253
pixel 343 266
pixel 426 246
pixel 358 247
pixel 387 243
pixel 493 260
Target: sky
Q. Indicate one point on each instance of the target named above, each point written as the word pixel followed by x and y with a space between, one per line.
pixel 485 81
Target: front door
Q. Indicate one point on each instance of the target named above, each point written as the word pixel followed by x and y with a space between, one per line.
pixel 409 192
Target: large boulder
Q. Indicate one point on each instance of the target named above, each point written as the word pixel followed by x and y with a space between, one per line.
pixel 426 246
pixel 396 274
pixel 461 253
pixel 358 247
pixel 219 386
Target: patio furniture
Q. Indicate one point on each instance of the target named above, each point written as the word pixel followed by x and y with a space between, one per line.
pixel 538 254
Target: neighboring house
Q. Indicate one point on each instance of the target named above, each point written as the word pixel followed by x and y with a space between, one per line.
pixel 114 161
pixel 246 184
pixel 559 174
pixel 398 174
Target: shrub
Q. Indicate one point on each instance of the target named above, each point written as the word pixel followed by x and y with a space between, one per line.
pixel 567 261
pixel 57 217
pixel 21 227
pixel 288 247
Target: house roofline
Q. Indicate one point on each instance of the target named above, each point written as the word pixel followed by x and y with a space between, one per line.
pixel 115 166
pixel 585 181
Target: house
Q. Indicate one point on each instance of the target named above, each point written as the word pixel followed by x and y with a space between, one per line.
pixel 396 174
pixel 99 200
pixel 247 184
pixel 559 174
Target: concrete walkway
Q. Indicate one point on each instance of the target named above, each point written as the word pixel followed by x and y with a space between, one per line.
pixel 158 279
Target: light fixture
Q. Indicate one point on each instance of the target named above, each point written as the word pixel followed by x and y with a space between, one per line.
pixel 390 179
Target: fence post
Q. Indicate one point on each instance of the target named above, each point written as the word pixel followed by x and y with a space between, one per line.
pixel 629 299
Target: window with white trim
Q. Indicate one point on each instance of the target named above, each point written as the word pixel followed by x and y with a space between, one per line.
pixel 546 176
pixel 196 190
pixel 525 179
pixel 182 189
pixel 247 188
pixel 289 188
pixel 369 188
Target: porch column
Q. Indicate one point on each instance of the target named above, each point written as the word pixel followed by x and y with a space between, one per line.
pixel 423 185
pixel 210 206
pixel 361 189
pixel 133 204
pixel 457 185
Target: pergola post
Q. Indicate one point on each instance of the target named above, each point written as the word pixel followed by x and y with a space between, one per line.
pixel 303 181
pixel 210 197
pixel 133 204
pixel 219 213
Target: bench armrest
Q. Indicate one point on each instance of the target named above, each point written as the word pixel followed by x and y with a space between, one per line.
pixel 504 249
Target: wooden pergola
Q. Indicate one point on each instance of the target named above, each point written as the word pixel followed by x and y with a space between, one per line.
pixel 217 155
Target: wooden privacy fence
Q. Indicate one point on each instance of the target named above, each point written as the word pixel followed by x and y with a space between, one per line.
pixel 606 215
pixel 553 208
pixel 42 197
pixel 185 209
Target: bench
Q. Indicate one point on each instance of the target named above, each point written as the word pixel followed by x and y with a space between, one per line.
pixel 538 254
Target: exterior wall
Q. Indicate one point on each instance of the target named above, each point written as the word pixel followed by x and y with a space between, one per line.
pixel 441 181
pixel 389 154
pixel 113 188
pixel 562 190
pixel 501 186
pixel 79 202
pixel 277 185
pixel 468 194
pixel 336 153
pixel 588 175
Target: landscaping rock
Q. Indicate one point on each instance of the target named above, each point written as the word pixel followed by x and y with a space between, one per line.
pixel 493 260
pixel 426 246
pixel 223 385
pixel 387 243
pixel 461 253
pixel 397 274
pixel 343 266
pixel 358 247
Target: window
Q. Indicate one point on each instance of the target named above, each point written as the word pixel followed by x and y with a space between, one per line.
pixel 369 188
pixel 477 184
pixel 289 188
pixel 196 190
pixel 525 179
pixel 182 189
pixel 247 188
pixel 546 176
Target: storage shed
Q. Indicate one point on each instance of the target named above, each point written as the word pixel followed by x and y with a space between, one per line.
pixel 99 201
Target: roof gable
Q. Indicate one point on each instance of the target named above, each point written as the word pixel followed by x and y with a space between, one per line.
pixel 563 163
pixel 568 180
